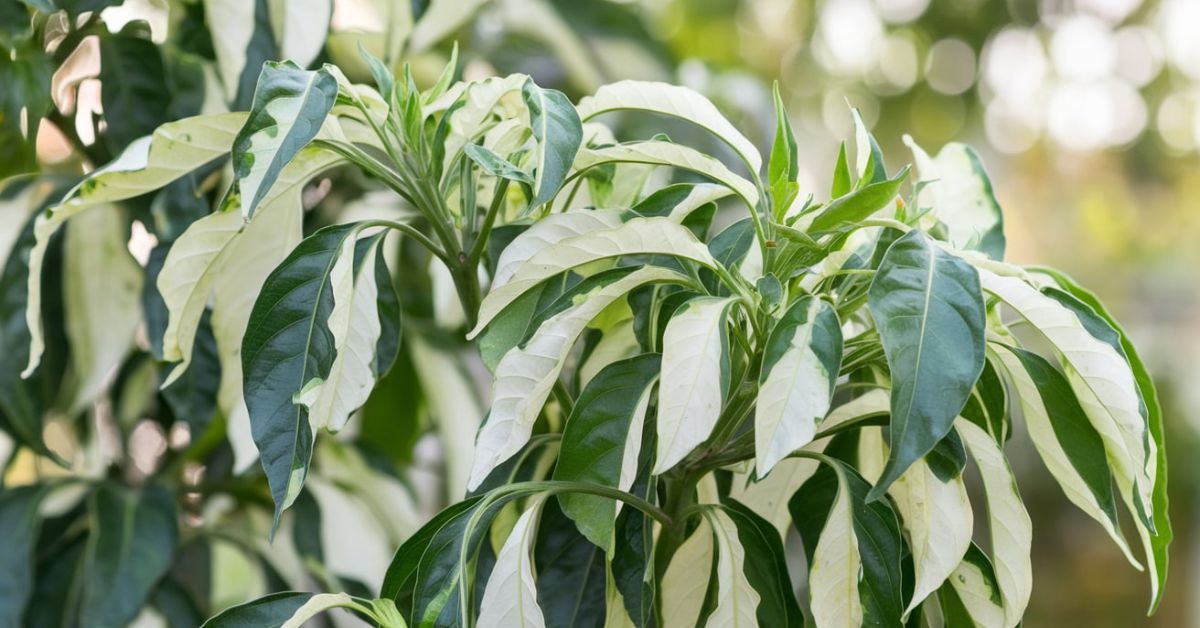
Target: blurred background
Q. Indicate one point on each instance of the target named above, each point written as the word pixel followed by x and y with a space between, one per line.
pixel 1086 112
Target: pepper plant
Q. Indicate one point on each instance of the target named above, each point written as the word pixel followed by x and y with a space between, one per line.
pixel 690 359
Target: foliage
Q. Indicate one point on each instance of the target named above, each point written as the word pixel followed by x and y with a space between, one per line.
pixel 669 396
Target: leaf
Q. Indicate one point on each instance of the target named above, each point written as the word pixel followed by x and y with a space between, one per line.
pixel 510 598
pixel 1008 522
pixel 841 175
pixel 675 101
pixel 960 193
pixel 663 153
pixel 549 231
pixel 175 149
pixel 737 601
pixel 971 596
pixel 356 327
pixel 103 309
pixel 496 165
pixel 868 157
pixel 290 105
pixel 1102 380
pixel 300 29
pixel 800 368
pixel 845 212
pixel 558 133
pixel 455 405
pixel 571 573
pixel 1069 446
pixel 929 311
pixel 132 79
pixel 286 348
pixel 937 516
pixel 680 200
pixel 601 442
pixel 288 609
pixel 242 39
pixel 859 570
pixel 20 522
pixel 436 597
pixel 130 547
pixel 1159 542
pixel 765 567
pixel 400 579
pixel 687 578
pixel 784 165
pixel 695 378
pixel 637 236
pixel 527 373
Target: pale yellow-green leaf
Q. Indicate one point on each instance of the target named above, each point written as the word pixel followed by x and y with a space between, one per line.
pixel 549 231
pixel 836 565
pixel 663 153
pixel 737 601
pixel 686 579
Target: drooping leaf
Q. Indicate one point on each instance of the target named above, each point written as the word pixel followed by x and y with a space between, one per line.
pixel 290 105
pixel 19 520
pixel 737 601
pixel 971 596
pixel 558 133
pixel 601 442
pixel 571 574
pixel 242 40
pixel 687 578
pixel 695 378
pixel 132 78
pixel 675 101
pixel 496 165
pixel 1008 522
pixel 130 547
pixel 960 194
pixel 288 609
pixel 286 348
pixel 526 374
pixel 800 367
pixel 510 598
pixel 929 311
pixel 549 231
pixel 765 567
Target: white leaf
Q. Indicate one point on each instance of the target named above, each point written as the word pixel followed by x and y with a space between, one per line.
pixel 796 388
pixel 662 153
pixel 686 579
pixel 836 564
pixel 701 195
pixel 1101 378
pixel 938 519
pixel 737 601
pixel 977 591
pixel 654 236
pixel 960 194
pixel 1008 522
pixel 148 163
pixel 300 27
pixel 510 597
pixel 874 402
pixel 549 231
pixel 354 323
pixel 695 378
pixel 232 24
pixel 316 605
pixel 102 294
pixel 526 374
pixel 672 100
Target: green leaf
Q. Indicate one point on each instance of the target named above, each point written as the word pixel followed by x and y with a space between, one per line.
pixel 1069 446
pixel 988 405
pixel 436 591
pixel 784 165
pixel 929 311
pixel 765 567
pixel 868 156
pixel 601 442
pixel 290 105
pixel 132 75
pixel 526 374
pixel 400 580
pixel 1159 542
pixel 20 521
pixel 845 212
pixel 283 610
pixel 25 72
pixel 800 367
pixel 287 348
pixel 496 165
pixel 695 378
pixel 570 573
pixel 841 175
pixel 960 193
pixel 130 547
pixel 558 132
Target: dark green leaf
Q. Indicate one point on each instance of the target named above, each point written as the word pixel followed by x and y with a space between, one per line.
pixel 133 94
pixel 193 397
pixel 841 175
pixel 593 444
pixel 765 568
pixel 847 211
pixel 130 547
pixel 571 579
pixel 988 405
pixel 496 165
pixel 288 343
pixel 928 307
pixel 271 611
pixel 400 580
pixel 19 521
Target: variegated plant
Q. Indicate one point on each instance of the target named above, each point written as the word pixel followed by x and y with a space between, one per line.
pixel 669 400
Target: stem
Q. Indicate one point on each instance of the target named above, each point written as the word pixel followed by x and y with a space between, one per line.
pixel 479 245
